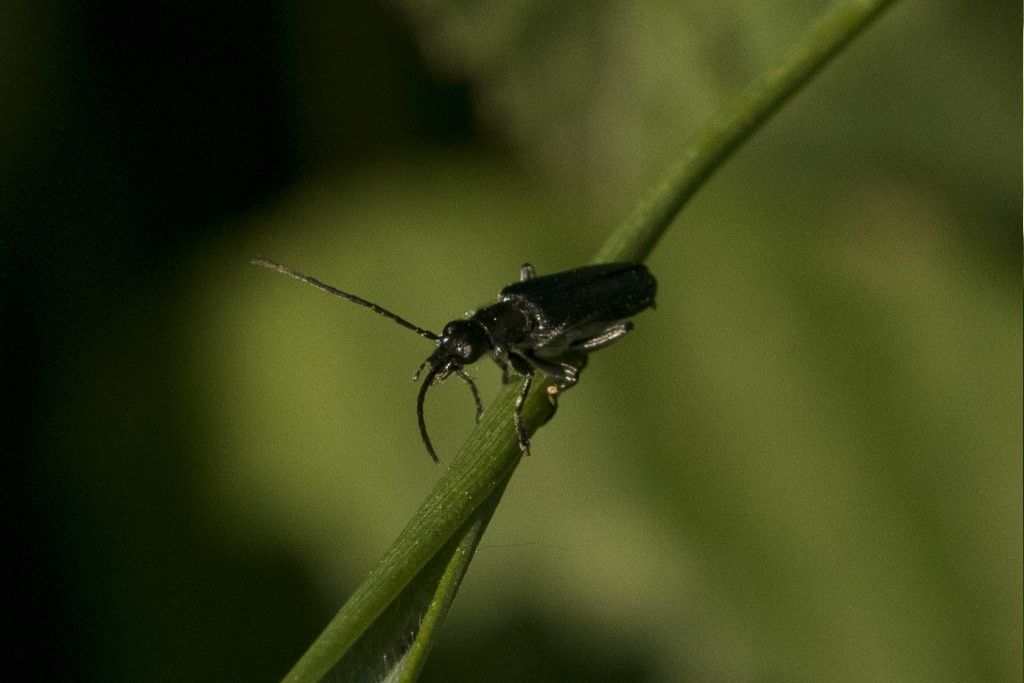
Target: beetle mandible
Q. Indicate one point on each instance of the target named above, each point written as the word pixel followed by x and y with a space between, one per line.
pixel 531 327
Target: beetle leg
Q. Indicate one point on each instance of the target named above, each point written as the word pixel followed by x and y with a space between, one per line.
pixel 564 374
pixel 520 364
pixel 500 357
pixel 507 368
pixel 605 338
pixel 472 387
pixel 526 272
pixel 517 415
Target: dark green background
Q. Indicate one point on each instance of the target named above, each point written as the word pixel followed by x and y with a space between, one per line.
pixel 805 464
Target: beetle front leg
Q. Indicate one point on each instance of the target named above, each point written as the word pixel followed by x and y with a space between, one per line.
pixel 526 272
pixel 476 393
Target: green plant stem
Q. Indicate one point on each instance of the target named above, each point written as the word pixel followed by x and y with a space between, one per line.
pixel 448 586
pixel 490 455
pixel 483 464
pixel 636 237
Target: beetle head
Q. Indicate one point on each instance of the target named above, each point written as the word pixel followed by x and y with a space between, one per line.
pixel 462 342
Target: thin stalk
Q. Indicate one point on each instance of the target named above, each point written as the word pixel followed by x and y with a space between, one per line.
pixel 636 237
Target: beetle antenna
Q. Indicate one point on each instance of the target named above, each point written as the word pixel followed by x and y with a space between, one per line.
pixel 319 284
pixel 427 381
pixel 472 387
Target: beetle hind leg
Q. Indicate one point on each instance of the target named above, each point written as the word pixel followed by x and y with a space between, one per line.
pixel 602 340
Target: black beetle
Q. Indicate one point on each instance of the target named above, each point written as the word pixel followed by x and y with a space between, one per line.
pixel 532 326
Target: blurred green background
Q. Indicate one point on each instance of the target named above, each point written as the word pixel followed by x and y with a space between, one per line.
pixel 806 464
